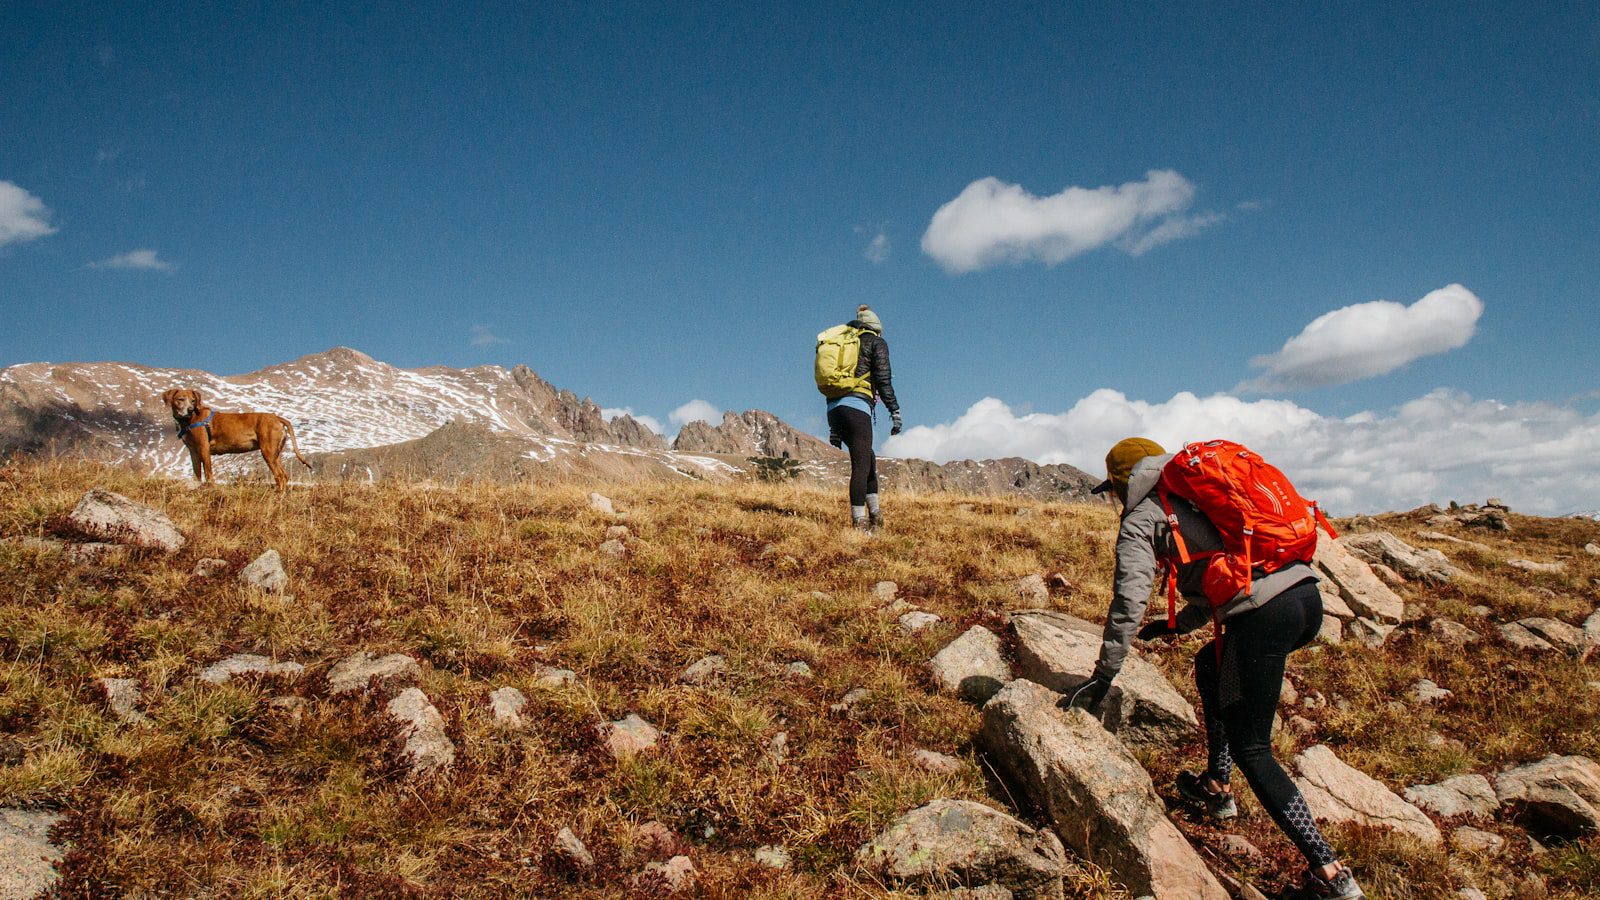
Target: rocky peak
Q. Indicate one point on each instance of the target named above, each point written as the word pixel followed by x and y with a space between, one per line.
pixel 751 433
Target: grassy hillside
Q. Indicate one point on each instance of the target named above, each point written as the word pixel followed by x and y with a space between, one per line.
pixel 233 790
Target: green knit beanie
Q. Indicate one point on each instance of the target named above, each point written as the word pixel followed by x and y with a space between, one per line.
pixel 867 317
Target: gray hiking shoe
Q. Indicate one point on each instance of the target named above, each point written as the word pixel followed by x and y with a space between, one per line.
pixel 862 525
pixel 1218 805
pixel 1341 886
pixel 875 519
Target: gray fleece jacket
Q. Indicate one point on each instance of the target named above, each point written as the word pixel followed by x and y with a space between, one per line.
pixel 1145 539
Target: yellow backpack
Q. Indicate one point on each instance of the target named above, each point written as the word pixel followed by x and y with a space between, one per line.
pixel 838 352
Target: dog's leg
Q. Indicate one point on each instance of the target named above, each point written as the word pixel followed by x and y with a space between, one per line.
pixel 194 460
pixel 204 447
pixel 271 454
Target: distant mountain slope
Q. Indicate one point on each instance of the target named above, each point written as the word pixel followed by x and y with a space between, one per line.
pixel 752 433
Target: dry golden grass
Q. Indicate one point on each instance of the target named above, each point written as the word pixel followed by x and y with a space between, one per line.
pixel 227 793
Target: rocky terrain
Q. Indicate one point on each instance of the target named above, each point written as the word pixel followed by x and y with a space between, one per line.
pixel 415 689
pixel 360 419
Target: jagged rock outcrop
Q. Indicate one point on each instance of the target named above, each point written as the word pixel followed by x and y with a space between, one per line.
pixel 958 843
pixel 1420 564
pixel 1059 651
pixel 1095 794
pixel 1335 792
pixel 751 433
pixel 1355 584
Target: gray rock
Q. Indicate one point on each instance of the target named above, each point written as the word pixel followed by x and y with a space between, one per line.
pixel 614 549
pixel 27 858
pixel 427 748
pixel 506 704
pixel 1336 792
pixel 1032 589
pixel 549 677
pixel 238 664
pixel 675 875
pixel 1557 795
pixel 1592 548
pixel 884 591
pixel 706 670
pixel 1143 708
pixel 1332 601
pixel 568 847
pixel 1471 893
pixel 1425 693
pixel 1092 790
pixel 913 622
pixel 958 842
pixel 847 703
pixel 971 666
pixel 800 670
pixel 1473 840
pixel 1332 631
pixel 1566 638
pixel 629 736
pixel 621 533
pixel 122 698
pixel 210 567
pixel 1453 632
pixel 602 504
pixel 356 671
pixel 266 573
pixel 937 763
pixel 1517 635
pixel 113 518
pixel 1368 633
pixel 1427 565
pixel 772 857
pixel 1356 583
pixel 1463 795
pixel 1528 565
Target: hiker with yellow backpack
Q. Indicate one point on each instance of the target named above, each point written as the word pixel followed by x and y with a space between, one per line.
pixel 852 370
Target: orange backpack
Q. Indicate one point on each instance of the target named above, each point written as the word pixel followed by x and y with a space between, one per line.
pixel 1264 522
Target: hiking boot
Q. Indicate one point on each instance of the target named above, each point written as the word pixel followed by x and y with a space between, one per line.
pixel 875 519
pixel 1342 886
pixel 862 525
pixel 1218 805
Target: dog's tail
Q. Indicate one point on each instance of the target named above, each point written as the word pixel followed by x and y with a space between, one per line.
pixel 293 442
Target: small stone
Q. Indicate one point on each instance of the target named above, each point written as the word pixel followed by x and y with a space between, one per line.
pixel 354 672
pixel 676 874
pixel 1482 612
pixel 27 858
pixel 602 504
pixel 1474 840
pixel 778 747
pixel 550 677
pixel 971 666
pixel 614 549
pixel 506 704
pixel 772 857
pixel 428 748
pixel 210 567
pixel 1288 696
pixel 122 698
pixel 266 573
pixel 798 670
pixel 1241 849
pixel 1302 725
pixel 1528 565
pixel 1471 893
pixel 1453 633
pixel 621 533
pixel 1425 693
pixel 1591 631
pixel 572 850
pixel 936 763
pixel 848 702
pixel 629 736
pixel 248 664
pixel 1314 700
pixel 1530 886
pixel 1592 548
pixel 1032 589
pixel 913 622
pixel 884 591
pixel 706 670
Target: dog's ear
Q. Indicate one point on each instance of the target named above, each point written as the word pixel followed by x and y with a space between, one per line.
pixel 167 396
pixel 197 401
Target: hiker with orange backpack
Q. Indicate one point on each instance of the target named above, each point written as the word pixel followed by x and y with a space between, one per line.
pixel 1228 532
pixel 852 370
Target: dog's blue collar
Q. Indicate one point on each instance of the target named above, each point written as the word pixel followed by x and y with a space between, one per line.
pixel 203 423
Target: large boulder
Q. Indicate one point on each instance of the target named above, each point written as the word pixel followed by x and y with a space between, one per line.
pixel 971 666
pixel 1336 792
pixel 1356 584
pixel 958 843
pixel 1427 565
pixel 1557 795
pixel 27 858
pixel 1143 708
pixel 1463 795
pixel 104 516
pixel 1095 794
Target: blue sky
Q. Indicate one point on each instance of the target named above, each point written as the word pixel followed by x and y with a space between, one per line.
pixel 655 203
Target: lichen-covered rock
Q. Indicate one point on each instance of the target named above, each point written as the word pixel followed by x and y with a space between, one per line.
pixel 937 763
pixel 602 504
pixel 427 749
pixel 1517 635
pixel 675 875
pixel 506 704
pixel 113 518
pixel 915 621
pixel 1368 633
pixel 971 666
pixel 1558 634
pixel 884 591
pixel 571 849
pixel 1557 795
pixel 1424 692
pixel 1092 790
pixel 1032 589
pixel 1528 565
pixel 122 698
pixel 210 567
pixel 705 670
pixel 1452 632
pixel 957 842
pixel 1336 792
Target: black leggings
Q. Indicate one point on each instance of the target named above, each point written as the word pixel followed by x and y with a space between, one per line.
pixel 1240 696
pixel 854 427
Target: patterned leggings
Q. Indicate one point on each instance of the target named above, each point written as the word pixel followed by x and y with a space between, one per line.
pixel 1240 696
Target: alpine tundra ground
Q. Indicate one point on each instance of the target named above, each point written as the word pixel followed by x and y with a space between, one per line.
pixel 233 790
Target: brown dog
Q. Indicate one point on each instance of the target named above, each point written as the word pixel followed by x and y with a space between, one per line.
pixel 207 433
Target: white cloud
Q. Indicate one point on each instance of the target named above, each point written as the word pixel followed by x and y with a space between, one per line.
pixel 1368 339
pixel 651 422
pixel 23 216
pixel 1440 447
pixel 135 259
pixel 483 336
pixel 878 248
pixel 695 411
pixel 992 222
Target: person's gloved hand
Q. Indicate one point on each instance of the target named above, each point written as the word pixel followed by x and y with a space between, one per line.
pixel 894 417
pixel 1089 695
pixel 1156 629
pixel 835 440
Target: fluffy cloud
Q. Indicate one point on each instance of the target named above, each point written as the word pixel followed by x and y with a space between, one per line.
pixel 992 222
pixel 135 259
pixel 23 216
pixel 651 422
pixel 484 336
pixel 695 411
pixel 1368 339
pixel 1439 447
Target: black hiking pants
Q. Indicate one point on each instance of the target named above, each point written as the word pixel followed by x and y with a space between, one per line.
pixel 854 428
pixel 1239 696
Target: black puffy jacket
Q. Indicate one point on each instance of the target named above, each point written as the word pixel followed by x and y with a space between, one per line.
pixel 874 361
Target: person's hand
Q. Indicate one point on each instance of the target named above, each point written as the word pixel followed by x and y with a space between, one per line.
pixel 894 417
pixel 1088 695
pixel 1156 629
pixel 835 440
